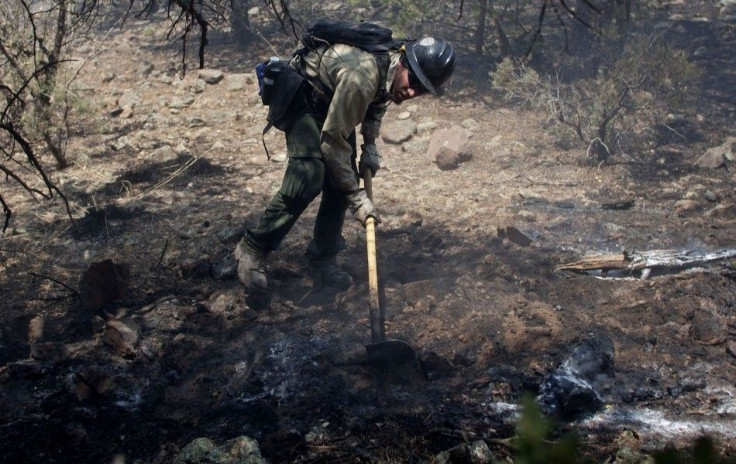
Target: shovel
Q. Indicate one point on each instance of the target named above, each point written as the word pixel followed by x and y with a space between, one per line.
pixel 381 352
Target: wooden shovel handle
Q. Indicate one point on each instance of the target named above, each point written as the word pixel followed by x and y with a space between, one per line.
pixel 377 329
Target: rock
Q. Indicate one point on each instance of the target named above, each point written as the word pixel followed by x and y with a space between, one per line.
pixel 35 329
pixel 569 391
pixel 92 380
pixel 222 302
pixel 237 82
pixel 682 207
pixel 210 76
pixel 470 124
pixel 447 159
pixel 450 147
pixel 398 132
pixel 480 453
pixel 83 160
pixel 155 120
pixel 426 126
pixel 120 143
pixel 161 154
pixel 102 283
pixel 198 86
pixel 722 211
pixel 514 235
pixel 731 348
pixel 717 157
pixel 527 215
pixel 476 452
pixel 50 351
pixel 240 450
pixel 121 338
pixel 180 103
pixel 130 98
pixel 195 121
pixel 403 115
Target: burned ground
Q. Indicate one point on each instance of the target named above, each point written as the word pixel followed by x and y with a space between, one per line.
pixel 490 318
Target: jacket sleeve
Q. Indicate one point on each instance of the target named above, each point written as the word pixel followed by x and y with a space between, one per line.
pixel 371 125
pixel 354 91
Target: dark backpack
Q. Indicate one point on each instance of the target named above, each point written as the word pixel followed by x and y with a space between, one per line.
pixel 367 36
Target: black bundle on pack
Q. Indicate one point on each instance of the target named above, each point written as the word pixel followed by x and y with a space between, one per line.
pixel 367 36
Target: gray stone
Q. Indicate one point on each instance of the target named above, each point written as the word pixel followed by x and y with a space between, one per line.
pixel 196 121
pixel 129 98
pixel 154 120
pixel 237 82
pixel 717 157
pixel 480 453
pixel 179 103
pixel 210 76
pixel 515 235
pixel 120 143
pixel 122 338
pixel 198 86
pixel 398 132
pixel 162 154
pixel 426 126
pixel 470 124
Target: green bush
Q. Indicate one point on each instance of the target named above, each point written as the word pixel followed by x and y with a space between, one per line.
pixel 634 86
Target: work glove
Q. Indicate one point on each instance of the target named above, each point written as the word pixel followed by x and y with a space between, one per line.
pixel 369 158
pixel 362 207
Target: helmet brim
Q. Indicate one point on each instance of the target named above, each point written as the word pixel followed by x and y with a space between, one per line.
pixel 417 70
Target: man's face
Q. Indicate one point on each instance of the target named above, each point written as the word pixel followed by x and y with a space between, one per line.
pixel 401 87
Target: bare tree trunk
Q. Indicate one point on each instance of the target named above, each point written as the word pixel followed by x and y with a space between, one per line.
pixel 240 22
pixel 53 131
pixel 480 33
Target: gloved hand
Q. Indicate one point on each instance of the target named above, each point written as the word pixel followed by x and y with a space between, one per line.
pixel 369 158
pixel 362 207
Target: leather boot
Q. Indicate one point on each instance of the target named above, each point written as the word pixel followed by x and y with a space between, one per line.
pixel 328 273
pixel 251 267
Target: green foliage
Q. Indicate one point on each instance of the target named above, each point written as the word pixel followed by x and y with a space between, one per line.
pixel 635 82
pixel 532 445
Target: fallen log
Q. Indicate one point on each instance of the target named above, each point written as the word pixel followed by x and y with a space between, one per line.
pixel 643 263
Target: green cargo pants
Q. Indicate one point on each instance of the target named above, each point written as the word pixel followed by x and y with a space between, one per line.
pixel 305 178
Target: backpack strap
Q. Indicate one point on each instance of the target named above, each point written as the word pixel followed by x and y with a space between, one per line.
pixel 383 61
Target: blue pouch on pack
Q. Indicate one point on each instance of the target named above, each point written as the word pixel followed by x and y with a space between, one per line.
pixel 260 74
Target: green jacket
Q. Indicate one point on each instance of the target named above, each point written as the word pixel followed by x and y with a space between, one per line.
pixel 351 74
